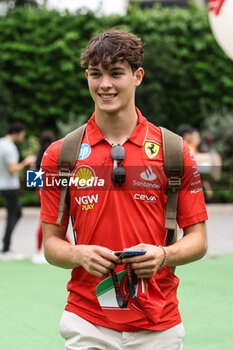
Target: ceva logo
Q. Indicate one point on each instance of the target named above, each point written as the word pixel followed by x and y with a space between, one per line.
pixel 145 198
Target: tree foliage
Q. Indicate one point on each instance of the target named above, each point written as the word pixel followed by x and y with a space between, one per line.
pixel 187 76
pixel 41 78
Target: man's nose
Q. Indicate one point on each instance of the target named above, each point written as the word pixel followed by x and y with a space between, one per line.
pixel 106 82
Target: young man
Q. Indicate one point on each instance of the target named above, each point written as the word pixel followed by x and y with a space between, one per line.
pixel 9 182
pixel 139 309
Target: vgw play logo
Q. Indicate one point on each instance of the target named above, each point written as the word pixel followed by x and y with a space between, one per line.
pixel 35 178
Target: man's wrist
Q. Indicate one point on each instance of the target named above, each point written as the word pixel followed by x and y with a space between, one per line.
pixel 165 255
pixel 23 163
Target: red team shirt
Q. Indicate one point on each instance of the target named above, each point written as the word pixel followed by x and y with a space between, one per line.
pixel 120 217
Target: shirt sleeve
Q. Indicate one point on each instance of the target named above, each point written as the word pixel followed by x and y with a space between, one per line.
pixel 191 202
pixel 11 154
pixel 50 193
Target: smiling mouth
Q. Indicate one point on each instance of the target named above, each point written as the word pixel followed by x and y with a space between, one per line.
pixel 107 96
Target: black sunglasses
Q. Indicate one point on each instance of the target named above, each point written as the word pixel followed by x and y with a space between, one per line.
pixel 118 173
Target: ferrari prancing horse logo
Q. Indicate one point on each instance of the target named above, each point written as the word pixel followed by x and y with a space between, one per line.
pixel 151 149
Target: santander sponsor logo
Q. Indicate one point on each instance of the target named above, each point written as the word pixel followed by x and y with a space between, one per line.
pixel 148 174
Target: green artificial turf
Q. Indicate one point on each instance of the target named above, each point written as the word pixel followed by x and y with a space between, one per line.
pixel 206 303
pixel 32 298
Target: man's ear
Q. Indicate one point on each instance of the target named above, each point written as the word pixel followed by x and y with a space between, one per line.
pixel 139 73
pixel 86 73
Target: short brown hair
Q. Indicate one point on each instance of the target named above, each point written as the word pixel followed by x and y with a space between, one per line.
pixel 113 46
pixel 16 127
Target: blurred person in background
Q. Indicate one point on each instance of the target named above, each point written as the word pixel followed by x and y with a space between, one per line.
pixel 190 135
pixel 46 138
pixel 209 162
pixel 10 184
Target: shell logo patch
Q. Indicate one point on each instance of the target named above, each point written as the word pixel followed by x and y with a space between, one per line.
pixel 151 149
pixel 84 174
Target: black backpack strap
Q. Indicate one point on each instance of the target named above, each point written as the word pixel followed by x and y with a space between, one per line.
pixel 66 161
pixel 174 168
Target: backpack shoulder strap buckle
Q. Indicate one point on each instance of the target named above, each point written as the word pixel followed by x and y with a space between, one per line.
pixel 174 181
pixel 64 171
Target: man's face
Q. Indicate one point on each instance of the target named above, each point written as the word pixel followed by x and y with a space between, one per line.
pixel 195 138
pixel 19 137
pixel 113 89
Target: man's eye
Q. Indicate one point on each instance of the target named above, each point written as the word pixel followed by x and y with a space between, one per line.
pixel 116 74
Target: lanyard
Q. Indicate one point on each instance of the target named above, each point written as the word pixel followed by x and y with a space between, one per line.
pixel 132 287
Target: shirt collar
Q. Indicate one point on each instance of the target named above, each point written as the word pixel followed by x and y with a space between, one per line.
pixel 138 136
pixel 140 132
pixel 93 133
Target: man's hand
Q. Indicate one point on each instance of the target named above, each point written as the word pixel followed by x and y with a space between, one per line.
pixel 15 167
pixel 30 160
pixel 146 266
pixel 97 260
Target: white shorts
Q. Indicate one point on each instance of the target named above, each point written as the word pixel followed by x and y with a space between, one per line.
pixel 81 334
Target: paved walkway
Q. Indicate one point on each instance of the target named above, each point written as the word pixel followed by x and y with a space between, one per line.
pixel 219 228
